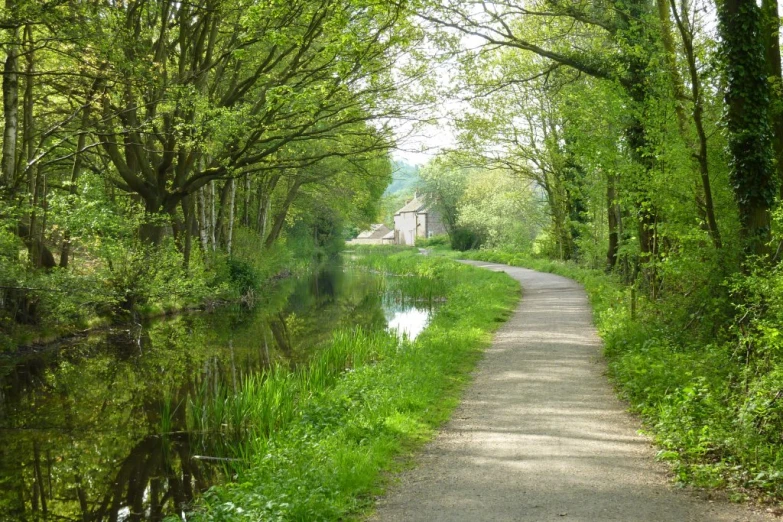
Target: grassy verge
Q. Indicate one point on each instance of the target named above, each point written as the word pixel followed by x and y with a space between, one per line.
pixel 322 438
pixel 712 409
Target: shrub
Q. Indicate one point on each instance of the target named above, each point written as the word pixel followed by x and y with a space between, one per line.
pixel 465 239
pixel 441 240
pixel 243 277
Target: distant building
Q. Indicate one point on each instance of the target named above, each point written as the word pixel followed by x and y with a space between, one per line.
pixel 416 219
pixel 388 239
pixel 374 236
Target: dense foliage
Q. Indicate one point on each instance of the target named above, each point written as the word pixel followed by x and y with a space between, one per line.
pixel 155 152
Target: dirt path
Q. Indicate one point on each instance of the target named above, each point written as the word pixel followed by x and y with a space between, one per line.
pixel 540 434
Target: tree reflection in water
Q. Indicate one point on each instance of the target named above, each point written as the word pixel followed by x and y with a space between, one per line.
pixel 95 429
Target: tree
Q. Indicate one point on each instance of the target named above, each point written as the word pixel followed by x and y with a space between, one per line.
pixel 747 118
pixel 188 120
pixel 699 150
pixel 618 45
pixel 192 93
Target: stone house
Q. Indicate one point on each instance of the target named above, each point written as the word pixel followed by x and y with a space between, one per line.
pixel 416 219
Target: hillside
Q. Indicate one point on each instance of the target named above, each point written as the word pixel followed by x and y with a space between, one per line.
pixel 405 179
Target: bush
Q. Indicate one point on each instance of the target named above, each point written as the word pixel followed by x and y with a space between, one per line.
pixel 442 240
pixel 244 278
pixel 465 239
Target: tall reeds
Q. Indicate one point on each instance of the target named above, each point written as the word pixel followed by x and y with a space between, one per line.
pixel 264 403
pixel 404 281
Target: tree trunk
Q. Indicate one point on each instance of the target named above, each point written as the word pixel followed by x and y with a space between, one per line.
pixel 188 214
pixel 151 232
pixel 45 258
pixel 221 225
pixel 264 203
pixel 38 477
pixel 575 205
pixel 613 215
pixel 231 203
pixel 263 215
pixel 747 98
pixel 771 34
pixel 153 229
pixel 212 237
pixel 33 172
pixel 203 227
pixel 10 105
pixel 277 226
pixel 65 251
pixel 637 138
pixel 699 153
pixel 246 206
pixel 646 212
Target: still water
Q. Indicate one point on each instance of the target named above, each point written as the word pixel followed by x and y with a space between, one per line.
pixel 94 429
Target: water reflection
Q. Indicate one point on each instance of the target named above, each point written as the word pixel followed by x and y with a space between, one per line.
pixel 95 430
pixel 408 322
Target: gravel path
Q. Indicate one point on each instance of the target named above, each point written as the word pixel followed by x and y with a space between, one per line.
pixel 540 434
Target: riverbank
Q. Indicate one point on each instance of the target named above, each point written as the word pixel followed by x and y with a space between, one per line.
pixel 93 306
pixel 712 412
pixel 139 421
pixel 362 416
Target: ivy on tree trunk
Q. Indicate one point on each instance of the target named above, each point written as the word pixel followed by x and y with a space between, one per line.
pixel 747 119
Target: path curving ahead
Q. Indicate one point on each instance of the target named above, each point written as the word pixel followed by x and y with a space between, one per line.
pixel 540 434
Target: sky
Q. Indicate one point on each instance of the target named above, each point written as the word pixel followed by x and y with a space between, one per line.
pixel 422 146
pixel 419 144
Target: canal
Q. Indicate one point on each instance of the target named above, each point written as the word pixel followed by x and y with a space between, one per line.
pixel 95 428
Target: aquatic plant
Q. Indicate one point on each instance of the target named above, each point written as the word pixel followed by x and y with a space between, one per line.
pixel 264 403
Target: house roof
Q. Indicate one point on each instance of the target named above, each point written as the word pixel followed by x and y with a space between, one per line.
pixel 390 235
pixel 415 205
pixel 376 232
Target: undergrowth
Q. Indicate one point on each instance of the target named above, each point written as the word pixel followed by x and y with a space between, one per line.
pixel 318 441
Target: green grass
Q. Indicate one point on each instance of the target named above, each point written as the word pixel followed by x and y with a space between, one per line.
pixel 319 442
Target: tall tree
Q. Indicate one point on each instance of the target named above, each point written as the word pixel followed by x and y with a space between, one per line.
pixel 699 149
pixel 621 31
pixel 747 119
pixel 771 35
pixel 11 99
pixel 232 83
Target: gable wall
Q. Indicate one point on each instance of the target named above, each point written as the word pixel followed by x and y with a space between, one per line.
pixel 405 228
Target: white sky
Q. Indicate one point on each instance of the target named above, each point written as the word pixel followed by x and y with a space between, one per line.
pixel 421 147
pixel 419 144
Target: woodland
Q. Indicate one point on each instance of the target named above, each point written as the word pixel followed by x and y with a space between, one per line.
pixel 160 154
pixel 157 154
